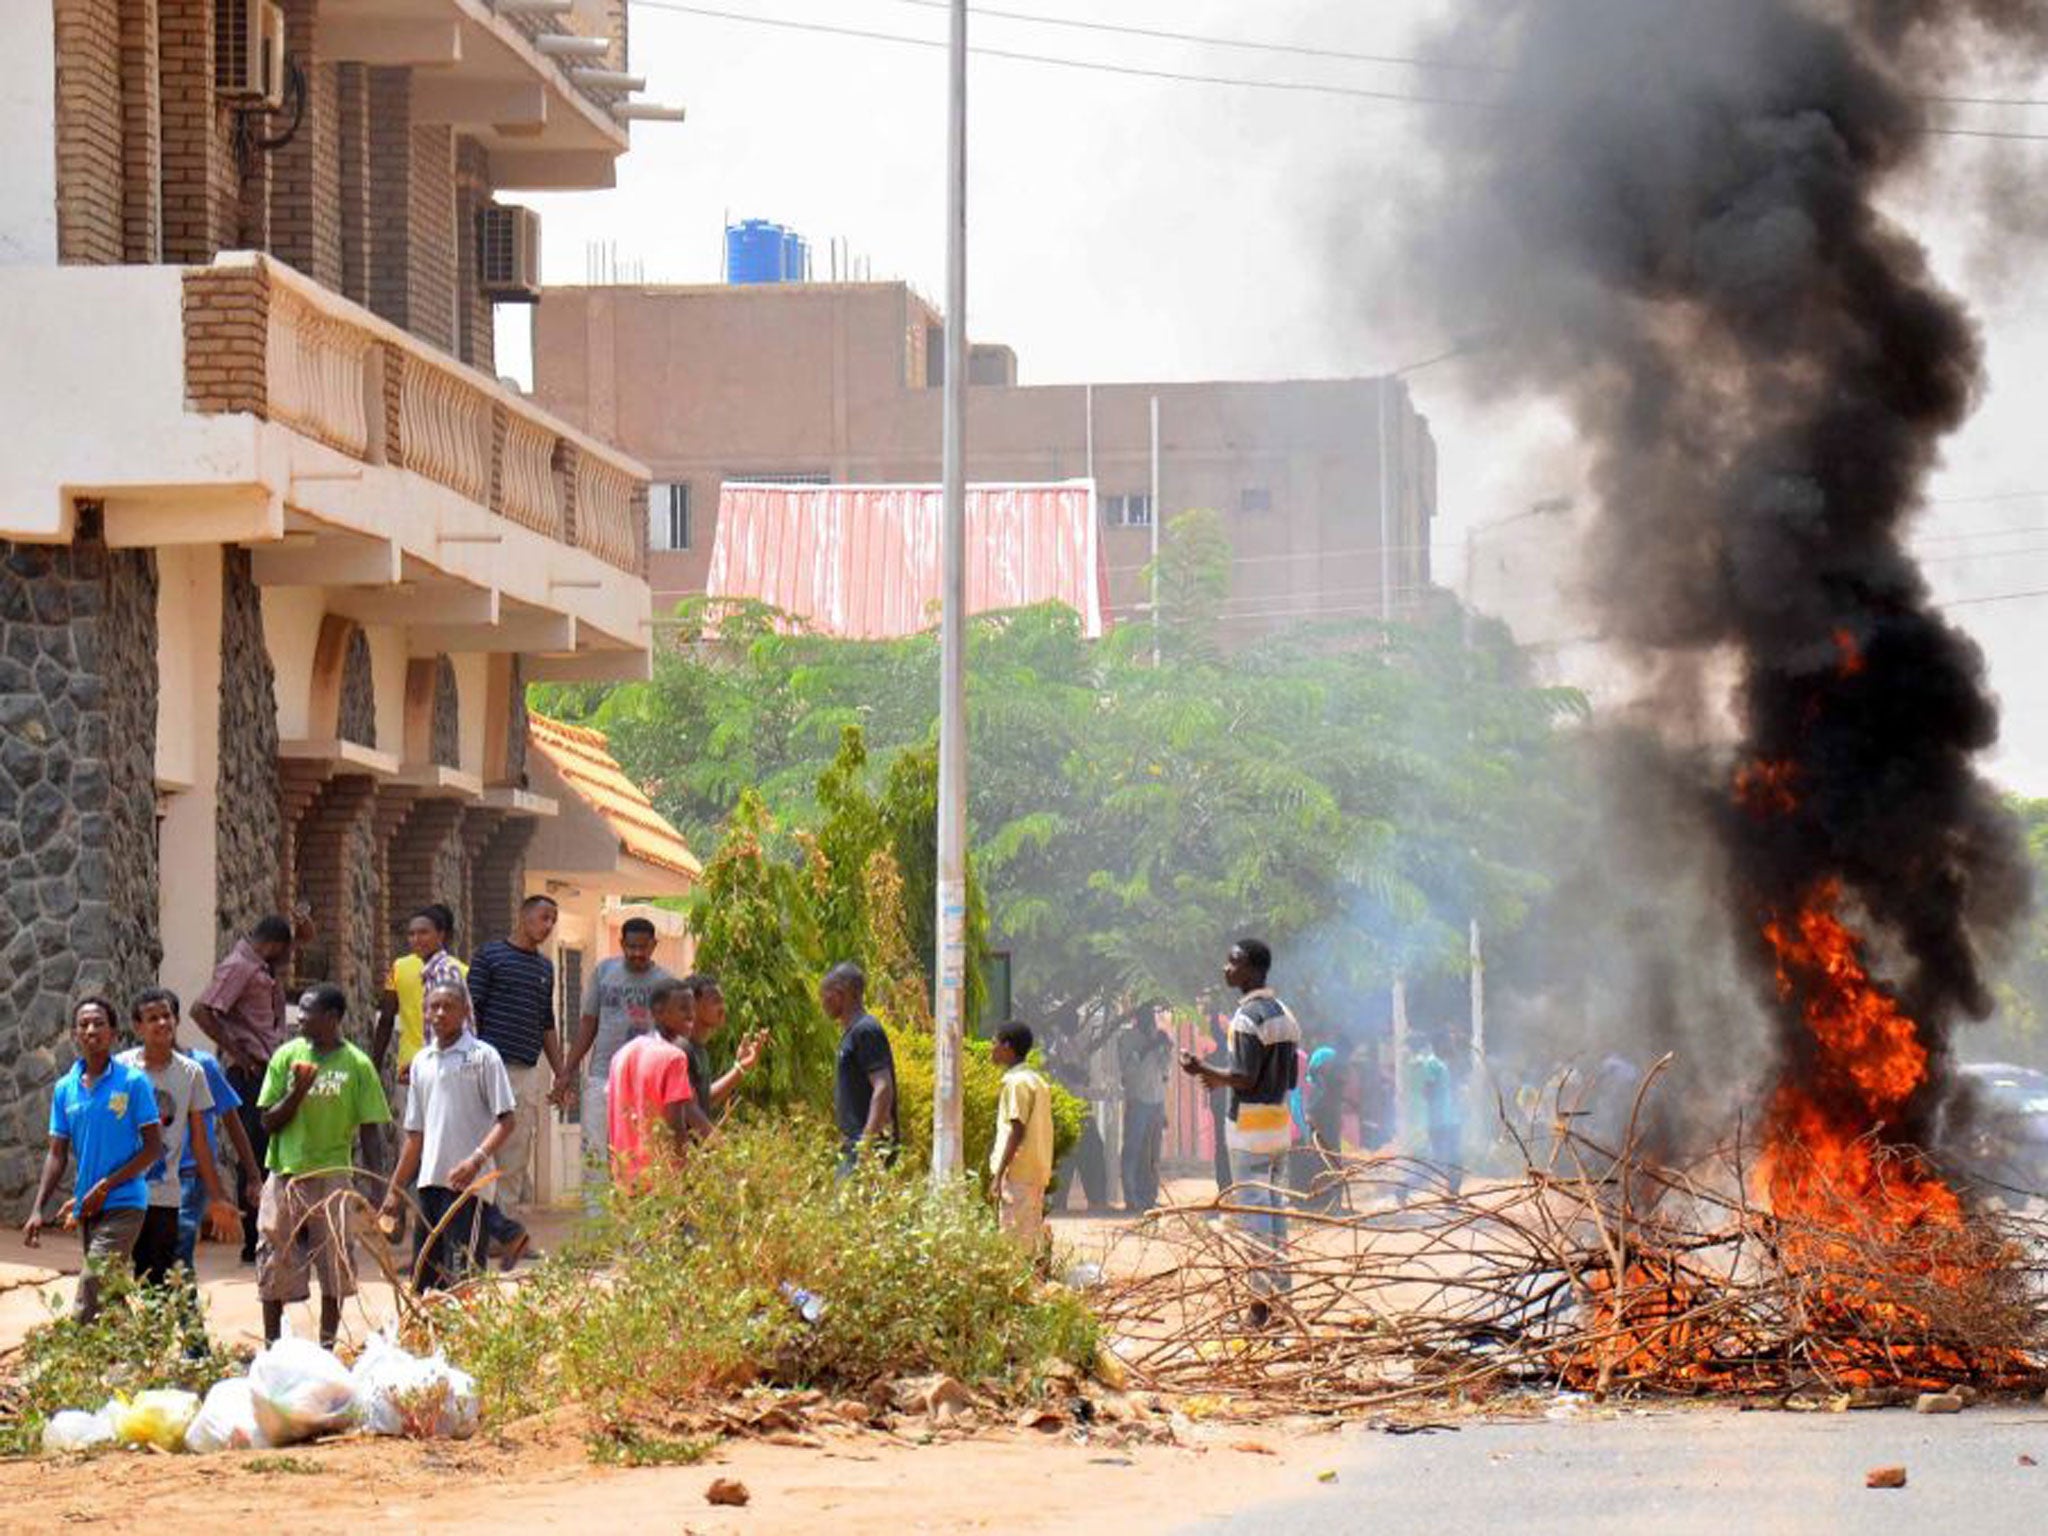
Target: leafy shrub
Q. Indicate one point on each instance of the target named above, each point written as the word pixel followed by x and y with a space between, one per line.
pixel 756 934
pixel 143 1337
pixel 680 1291
pixel 981 1090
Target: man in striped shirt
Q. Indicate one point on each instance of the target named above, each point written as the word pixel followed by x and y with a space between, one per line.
pixel 1264 1066
pixel 512 999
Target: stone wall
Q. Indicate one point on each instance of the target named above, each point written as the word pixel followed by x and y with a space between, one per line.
pixel 446 748
pixel 516 727
pixel 358 692
pixel 248 829
pixel 77 809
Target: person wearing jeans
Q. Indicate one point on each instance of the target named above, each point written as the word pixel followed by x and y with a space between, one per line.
pixel 1265 1051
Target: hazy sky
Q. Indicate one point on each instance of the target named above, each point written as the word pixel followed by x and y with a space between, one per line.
pixel 1126 228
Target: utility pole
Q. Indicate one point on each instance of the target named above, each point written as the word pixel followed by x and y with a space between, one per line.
pixel 1386 390
pixel 1155 530
pixel 951 960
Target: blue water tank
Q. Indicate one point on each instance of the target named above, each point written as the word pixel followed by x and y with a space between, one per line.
pixel 754 251
pixel 795 257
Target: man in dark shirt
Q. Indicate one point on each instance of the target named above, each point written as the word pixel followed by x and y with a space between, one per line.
pixel 696 1006
pixel 512 998
pixel 864 1085
pixel 242 1011
pixel 1265 1047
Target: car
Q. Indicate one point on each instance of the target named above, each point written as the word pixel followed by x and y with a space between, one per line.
pixel 1999 1131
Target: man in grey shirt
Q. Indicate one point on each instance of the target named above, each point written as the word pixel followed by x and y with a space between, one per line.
pixel 618 1003
pixel 1144 1058
pixel 458 1112
pixel 182 1094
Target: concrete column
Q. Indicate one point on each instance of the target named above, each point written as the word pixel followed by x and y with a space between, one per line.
pixel 188 762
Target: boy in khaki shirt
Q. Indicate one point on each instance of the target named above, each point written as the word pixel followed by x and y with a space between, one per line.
pixel 1021 1165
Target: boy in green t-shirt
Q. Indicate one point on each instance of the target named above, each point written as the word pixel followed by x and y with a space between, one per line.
pixel 318 1092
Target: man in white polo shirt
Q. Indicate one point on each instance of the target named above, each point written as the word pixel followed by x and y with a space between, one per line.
pixel 458 1113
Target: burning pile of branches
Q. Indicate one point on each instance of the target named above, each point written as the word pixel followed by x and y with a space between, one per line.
pixel 1596 1271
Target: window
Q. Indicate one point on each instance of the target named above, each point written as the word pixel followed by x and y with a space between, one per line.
pixel 1255 501
pixel 1134 511
pixel 668 515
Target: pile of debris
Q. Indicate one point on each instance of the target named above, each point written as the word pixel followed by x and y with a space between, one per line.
pixel 1595 1271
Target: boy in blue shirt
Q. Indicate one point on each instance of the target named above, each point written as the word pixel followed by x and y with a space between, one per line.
pixel 107 1113
pixel 192 1210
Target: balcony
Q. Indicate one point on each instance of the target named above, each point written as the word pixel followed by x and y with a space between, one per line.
pixel 243 403
pixel 546 118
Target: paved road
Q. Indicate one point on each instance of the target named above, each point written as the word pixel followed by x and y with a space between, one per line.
pixel 1718 1472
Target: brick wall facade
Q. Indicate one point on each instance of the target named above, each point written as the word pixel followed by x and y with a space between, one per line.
pixel 430 214
pixel 497 871
pixel 475 341
pixel 336 871
pixel 389 154
pixel 142 226
pixel 90 169
pixel 428 862
pixel 153 167
pixel 352 88
pixel 226 323
pixel 305 193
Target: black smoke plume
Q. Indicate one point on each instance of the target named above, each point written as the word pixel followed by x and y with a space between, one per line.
pixel 1671 217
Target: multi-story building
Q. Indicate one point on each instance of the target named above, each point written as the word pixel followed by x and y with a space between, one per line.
pixel 278 552
pixel 837 383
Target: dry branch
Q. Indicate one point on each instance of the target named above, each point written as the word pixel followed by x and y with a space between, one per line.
pixel 1594 1270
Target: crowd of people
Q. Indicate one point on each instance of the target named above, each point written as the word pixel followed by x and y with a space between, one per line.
pixel 451 1138
pixel 1343 1096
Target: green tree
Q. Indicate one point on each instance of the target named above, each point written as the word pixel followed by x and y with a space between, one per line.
pixel 757 934
pixel 2022 985
pixel 1356 792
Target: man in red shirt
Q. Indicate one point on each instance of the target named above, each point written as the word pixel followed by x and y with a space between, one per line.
pixel 649 1109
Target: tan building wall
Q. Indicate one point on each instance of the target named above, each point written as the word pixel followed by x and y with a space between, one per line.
pixel 834 381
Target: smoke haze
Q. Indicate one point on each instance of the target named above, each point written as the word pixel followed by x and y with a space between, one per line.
pixel 1672 224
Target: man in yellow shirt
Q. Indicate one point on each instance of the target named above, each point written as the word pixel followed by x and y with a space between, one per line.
pixel 1021 1165
pixel 403 1003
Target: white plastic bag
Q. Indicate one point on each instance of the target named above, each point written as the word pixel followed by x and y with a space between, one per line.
pixel 157 1418
pixel 226 1420
pixel 420 1399
pixel 301 1391
pixel 76 1430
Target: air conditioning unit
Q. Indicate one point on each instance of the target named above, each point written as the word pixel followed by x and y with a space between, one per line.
pixel 248 52
pixel 508 253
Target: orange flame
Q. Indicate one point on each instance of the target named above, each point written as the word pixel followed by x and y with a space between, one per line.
pixel 1821 1160
pixel 1765 788
pixel 1851 654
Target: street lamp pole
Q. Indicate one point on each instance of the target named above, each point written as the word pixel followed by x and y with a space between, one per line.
pixel 951 960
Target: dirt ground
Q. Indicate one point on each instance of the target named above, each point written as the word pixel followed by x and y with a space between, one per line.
pixel 539 1474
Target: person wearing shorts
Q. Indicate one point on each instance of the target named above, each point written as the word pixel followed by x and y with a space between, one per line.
pixel 105 1114
pixel 317 1094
